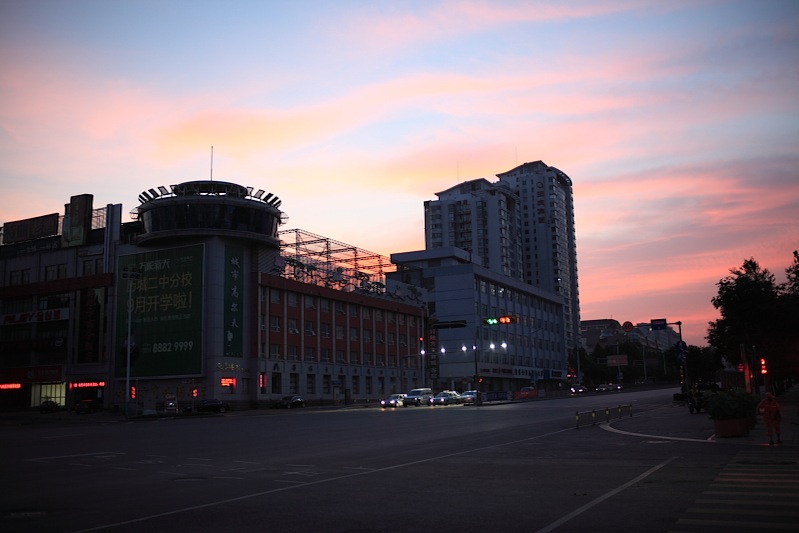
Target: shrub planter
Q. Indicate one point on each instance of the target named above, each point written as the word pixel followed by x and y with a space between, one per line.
pixel 732 411
pixel 731 427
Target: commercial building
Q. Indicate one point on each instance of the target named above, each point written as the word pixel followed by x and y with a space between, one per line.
pixel 520 227
pixel 198 297
pixel 464 350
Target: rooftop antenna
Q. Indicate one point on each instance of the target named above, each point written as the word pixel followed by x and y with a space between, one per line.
pixel 212 162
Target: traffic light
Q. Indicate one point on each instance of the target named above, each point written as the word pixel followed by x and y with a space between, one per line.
pixel 133 392
pixel 194 392
pixel 504 319
pixel 763 369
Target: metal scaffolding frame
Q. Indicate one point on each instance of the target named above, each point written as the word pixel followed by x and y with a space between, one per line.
pixel 319 260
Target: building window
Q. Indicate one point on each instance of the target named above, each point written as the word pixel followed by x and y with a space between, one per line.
pixel 274 351
pixel 324 330
pixel 274 323
pixel 294 383
pixel 291 298
pixel 353 334
pixel 274 296
pixel 309 354
pixel 324 355
pixel 292 326
pixel 291 352
pixel 327 384
pixel 340 332
pixel 310 327
pixel 368 384
pixel 310 384
pixel 277 380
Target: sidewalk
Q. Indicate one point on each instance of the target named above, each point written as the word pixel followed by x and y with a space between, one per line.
pixel 676 423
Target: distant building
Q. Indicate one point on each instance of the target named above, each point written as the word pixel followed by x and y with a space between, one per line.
pixel 521 227
pixel 201 297
pixel 460 348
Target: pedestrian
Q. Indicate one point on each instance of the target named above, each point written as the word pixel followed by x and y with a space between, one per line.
pixel 772 416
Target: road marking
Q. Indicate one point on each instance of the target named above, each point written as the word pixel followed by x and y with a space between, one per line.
pixel 581 510
pixel 94 454
pixel 607 427
pixel 295 484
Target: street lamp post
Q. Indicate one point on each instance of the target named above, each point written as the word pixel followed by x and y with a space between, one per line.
pixel 131 275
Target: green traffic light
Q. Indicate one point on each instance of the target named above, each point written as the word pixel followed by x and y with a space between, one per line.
pixel 491 321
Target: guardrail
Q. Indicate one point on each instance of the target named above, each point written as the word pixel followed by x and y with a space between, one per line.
pixel 589 418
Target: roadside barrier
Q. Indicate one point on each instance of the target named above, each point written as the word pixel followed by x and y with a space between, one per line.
pixel 589 418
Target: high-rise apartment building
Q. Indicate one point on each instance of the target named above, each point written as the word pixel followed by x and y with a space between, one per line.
pixel 521 226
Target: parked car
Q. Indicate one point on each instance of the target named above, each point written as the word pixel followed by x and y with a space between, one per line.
pixel 603 388
pixel 87 406
pixel 212 405
pixel 446 397
pixel 395 400
pixel 527 393
pixel 290 402
pixel 469 397
pixel 578 389
pixel 49 406
pixel 615 386
pixel 417 397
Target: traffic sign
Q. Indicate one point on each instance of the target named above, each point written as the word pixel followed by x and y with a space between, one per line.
pixel 627 326
pixel 658 323
pixel 449 324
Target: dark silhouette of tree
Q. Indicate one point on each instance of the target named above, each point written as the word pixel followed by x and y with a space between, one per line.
pixel 758 317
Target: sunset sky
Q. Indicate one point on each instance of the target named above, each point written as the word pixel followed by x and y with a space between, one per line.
pixel 677 121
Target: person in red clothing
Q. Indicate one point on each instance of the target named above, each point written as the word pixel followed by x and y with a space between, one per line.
pixel 772 416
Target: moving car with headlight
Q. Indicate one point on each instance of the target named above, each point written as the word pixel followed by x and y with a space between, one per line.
pixel 446 397
pixel 395 400
pixel 417 397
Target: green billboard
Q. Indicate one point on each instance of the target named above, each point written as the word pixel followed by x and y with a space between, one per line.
pixel 159 313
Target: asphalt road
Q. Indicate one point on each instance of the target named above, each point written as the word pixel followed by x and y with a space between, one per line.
pixel 511 467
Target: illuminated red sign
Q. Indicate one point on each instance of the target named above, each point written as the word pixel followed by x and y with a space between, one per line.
pixel 227 382
pixel 86 384
pixel 10 386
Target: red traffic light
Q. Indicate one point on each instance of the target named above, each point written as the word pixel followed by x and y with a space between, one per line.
pixel 763 369
pixel 132 392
